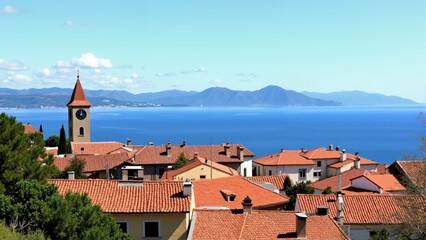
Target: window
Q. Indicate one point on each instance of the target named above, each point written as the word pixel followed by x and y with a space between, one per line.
pixel 202 176
pixel 270 172
pixel 245 172
pixel 302 174
pixel 151 228
pixel 123 226
pixel 318 163
pixel 317 174
pixel 81 131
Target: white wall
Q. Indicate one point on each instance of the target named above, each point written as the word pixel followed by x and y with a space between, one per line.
pixel 247 164
pixel 366 184
pixel 291 171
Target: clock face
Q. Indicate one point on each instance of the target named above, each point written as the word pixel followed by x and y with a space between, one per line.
pixel 81 114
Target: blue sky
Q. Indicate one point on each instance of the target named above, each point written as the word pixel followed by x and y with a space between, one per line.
pixel 149 46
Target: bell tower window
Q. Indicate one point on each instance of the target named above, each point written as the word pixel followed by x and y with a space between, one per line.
pixel 81 131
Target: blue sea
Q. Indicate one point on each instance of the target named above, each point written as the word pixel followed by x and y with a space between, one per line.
pixel 383 134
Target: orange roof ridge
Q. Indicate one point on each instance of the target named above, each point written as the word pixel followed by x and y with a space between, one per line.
pixel 78 98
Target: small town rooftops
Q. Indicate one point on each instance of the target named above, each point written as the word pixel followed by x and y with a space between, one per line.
pixel 29 129
pixel 413 169
pixel 285 157
pixel 276 180
pixel 365 209
pixel 95 148
pixel 94 163
pixel 260 224
pixel 129 197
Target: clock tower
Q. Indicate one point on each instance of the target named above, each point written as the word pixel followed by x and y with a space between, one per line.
pixel 79 115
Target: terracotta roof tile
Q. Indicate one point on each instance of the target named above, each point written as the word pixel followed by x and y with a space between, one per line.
pixel 261 224
pixel 51 150
pixel 95 148
pixel 346 180
pixel 387 182
pixel 207 193
pixel 277 180
pixel 287 157
pixel 414 170
pixel 157 154
pixel 197 162
pixel 364 209
pixel 152 197
pixel 78 98
pixel 29 129
pixel 94 162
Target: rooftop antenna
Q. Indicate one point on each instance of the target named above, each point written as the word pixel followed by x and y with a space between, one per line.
pixel 78 73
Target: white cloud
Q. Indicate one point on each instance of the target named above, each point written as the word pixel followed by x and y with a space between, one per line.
pixel 71 23
pixel 215 81
pixel 169 74
pixel 135 75
pixel 87 60
pixel 16 78
pixel 44 72
pixel 196 70
pixel 12 65
pixel 8 9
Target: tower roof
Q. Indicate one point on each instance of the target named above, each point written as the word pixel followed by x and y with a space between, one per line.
pixel 78 98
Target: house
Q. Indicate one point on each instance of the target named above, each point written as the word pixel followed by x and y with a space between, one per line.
pixel 359 181
pixel 261 224
pixel 411 173
pixel 157 159
pixel 29 129
pixel 273 183
pixel 145 210
pixel 311 165
pixel 230 191
pixel 99 148
pixel 199 168
pixel 363 215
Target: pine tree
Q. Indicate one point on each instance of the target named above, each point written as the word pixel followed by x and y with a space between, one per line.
pixel 287 183
pixel 181 161
pixel 41 129
pixel 62 148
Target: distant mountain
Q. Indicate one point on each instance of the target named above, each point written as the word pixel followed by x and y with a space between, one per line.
pixel 211 97
pixel 360 98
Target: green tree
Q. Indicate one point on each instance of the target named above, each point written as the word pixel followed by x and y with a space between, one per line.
pixel 291 192
pixel 327 190
pixel 41 129
pixel 37 206
pixel 181 161
pixel 76 165
pixel 62 146
pixel 381 235
pixel 287 183
pixel 52 141
pixel 22 156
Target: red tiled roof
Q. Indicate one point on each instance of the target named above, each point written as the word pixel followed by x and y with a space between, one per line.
pixel 414 170
pixel 92 148
pixel 382 169
pixel 346 180
pixel 365 209
pixel 261 224
pixel 51 150
pixel 277 180
pixel 94 162
pixel 287 157
pixel 78 98
pixel 157 154
pixel 29 129
pixel 387 182
pixel 152 197
pixel 197 162
pixel 207 193
pixel 321 153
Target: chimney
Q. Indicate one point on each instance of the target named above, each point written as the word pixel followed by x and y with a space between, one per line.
pixel 195 154
pixel 187 188
pixel 339 208
pixel 343 155
pixel 247 205
pixel 227 149
pixel 282 150
pixel 129 142
pixel 71 175
pixel 169 149
pixel 301 225
pixel 240 153
pixel 322 210
pixel 337 148
pixel 302 150
pixel 330 147
pixel 183 144
pixel 357 162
